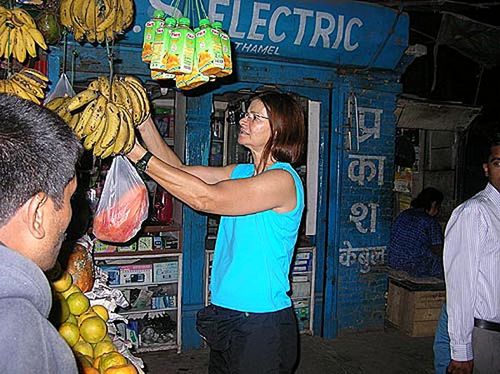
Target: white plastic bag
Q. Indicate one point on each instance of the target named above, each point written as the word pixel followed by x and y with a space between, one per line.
pixel 123 205
pixel 63 88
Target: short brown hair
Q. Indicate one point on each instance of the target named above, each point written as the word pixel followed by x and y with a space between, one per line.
pixel 286 119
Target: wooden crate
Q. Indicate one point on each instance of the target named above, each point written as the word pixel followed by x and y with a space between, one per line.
pixel 414 308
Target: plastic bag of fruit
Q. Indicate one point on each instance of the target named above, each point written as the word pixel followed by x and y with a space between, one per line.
pixel 123 205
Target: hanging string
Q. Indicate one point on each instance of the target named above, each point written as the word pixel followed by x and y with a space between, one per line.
pixel 65 49
pixel 109 50
pixel 9 65
pixel 198 10
pixel 74 55
pixel 202 8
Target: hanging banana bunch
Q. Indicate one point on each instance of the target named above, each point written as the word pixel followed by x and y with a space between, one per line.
pixel 19 35
pixel 96 20
pixel 105 115
pixel 28 84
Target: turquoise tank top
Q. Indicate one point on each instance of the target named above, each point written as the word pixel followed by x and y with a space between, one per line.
pixel 253 254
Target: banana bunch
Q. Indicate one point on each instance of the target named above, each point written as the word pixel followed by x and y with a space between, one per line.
pixel 28 84
pixel 96 20
pixel 105 115
pixel 18 34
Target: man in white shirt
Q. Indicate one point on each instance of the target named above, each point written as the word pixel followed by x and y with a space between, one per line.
pixel 472 274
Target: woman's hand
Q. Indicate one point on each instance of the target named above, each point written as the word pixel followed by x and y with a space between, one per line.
pixel 136 153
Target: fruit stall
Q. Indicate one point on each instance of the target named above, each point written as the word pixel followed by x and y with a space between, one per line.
pixel 105 66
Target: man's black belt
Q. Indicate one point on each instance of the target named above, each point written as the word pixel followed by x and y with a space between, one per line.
pixel 487 325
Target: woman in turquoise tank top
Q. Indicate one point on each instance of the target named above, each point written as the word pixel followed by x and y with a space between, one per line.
pixel 250 325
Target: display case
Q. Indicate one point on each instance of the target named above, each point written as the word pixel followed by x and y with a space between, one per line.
pixel 148 268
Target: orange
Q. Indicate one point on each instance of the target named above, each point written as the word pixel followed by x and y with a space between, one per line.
pixel 78 303
pixel 62 283
pixel 93 329
pixel 123 369
pixel 89 370
pixel 60 310
pixel 83 361
pixel 103 347
pixel 101 311
pixel 71 319
pixel 70 333
pixel 73 289
pixel 84 348
pixel 111 359
pixel 89 313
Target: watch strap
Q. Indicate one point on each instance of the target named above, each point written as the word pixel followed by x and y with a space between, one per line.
pixel 142 164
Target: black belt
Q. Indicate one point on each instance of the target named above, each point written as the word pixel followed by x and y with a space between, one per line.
pixel 487 325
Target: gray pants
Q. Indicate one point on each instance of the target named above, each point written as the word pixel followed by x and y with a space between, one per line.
pixel 486 347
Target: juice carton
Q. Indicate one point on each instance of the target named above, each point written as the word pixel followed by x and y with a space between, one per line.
pixel 149 33
pixel 210 59
pixel 195 78
pixel 226 51
pixel 157 45
pixel 160 55
pixel 180 55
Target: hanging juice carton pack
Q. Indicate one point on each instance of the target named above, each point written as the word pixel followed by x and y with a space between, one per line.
pixel 180 81
pixel 180 54
pixel 210 60
pixel 160 55
pixel 149 34
pixel 195 78
pixel 226 51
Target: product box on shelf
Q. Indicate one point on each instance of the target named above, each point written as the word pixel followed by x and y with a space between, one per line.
pixel 169 240
pixel 113 273
pixel 157 243
pixel 132 247
pixel 145 243
pixel 100 247
pixel 166 271
pixel 136 274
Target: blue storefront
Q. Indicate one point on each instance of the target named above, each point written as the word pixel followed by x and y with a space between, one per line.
pixel 346 58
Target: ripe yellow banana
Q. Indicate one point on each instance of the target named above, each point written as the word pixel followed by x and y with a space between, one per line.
pixel 104 86
pixel 29 42
pixel 136 103
pixel 23 17
pixel 65 14
pixel 97 114
pixel 109 18
pixel 131 134
pixel 109 136
pixel 81 99
pixel 85 118
pixel 128 13
pixel 38 37
pixel 35 89
pixel 134 82
pixel 34 73
pixel 55 103
pixel 123 132
pixel 22 93
pixel 94 137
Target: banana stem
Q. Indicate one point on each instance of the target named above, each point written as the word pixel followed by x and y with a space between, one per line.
pixel 109 50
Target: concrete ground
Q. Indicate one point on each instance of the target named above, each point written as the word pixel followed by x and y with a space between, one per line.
pixel 384 352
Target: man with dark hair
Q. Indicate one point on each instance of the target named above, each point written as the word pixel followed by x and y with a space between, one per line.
pixel 416 237
pixel 38 154
pixel 472 274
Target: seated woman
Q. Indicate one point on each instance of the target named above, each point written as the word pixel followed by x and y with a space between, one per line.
pixel 416 244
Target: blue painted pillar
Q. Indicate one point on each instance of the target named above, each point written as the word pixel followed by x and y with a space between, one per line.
pixel 194 224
